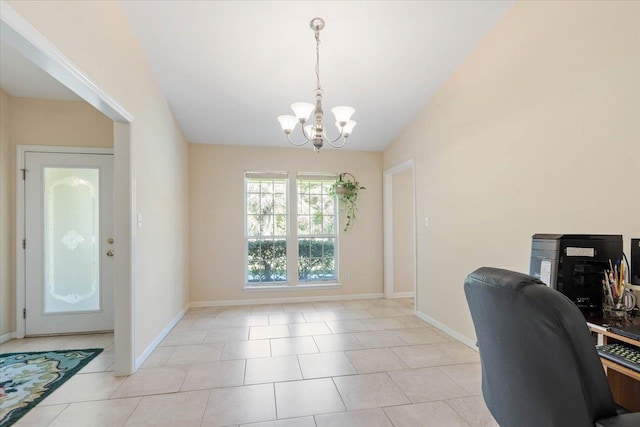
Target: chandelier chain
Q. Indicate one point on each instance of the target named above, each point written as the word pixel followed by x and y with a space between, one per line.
pixel 318 59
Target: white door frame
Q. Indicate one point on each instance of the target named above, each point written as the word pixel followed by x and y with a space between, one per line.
pixel 387 203
pixel 20 35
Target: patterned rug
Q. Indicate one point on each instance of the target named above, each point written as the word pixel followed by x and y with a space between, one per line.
pixel 27 378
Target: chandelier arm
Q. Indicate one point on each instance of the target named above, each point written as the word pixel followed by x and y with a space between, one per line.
pixel 297 144
pixel 331 143
pixel 304 133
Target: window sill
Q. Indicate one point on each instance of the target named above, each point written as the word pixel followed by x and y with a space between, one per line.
pixel 285 287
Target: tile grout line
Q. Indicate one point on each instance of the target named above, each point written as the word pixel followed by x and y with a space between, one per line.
pixel 446 401
pixel 275 399
pixel 59 413
pixel 204 412
pixel 333 380
pixel 134 410
pixel 300 367
pixel 244 373
pixel 399 388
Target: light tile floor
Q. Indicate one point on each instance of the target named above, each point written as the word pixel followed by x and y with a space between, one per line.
pixel 343 363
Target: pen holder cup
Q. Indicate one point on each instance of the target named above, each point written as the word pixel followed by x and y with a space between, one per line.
pixel 622 306
pixel 617 311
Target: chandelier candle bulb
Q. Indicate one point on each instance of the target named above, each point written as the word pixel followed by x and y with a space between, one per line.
pixel 315 132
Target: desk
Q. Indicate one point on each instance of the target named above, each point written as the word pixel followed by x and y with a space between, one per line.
pixel 624 382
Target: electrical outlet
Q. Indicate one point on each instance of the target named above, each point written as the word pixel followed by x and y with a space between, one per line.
pixel 347 276
pixel 426 221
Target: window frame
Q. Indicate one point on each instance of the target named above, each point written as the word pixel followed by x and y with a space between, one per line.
pixel 292 255
pixel 267 175
pixel 300 176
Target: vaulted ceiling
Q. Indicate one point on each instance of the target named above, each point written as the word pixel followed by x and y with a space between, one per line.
pixel 229 68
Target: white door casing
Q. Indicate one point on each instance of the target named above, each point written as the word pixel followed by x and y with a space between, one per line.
pixel 387 202
pixel 68 243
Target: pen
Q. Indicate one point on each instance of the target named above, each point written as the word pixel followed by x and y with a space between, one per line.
pixel 607 290
pixel 621 290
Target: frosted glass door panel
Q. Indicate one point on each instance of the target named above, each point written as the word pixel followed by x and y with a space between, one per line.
pixel 71 240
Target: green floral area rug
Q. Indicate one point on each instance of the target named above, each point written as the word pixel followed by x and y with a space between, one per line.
pixel 27 378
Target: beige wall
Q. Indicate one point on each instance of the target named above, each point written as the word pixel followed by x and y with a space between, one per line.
pixel 545 101
pixel 403 232
pixel 216 218
pixel 98 39
pixel 38 122
pixel 61 123
pixel 7 315
pixel 537 131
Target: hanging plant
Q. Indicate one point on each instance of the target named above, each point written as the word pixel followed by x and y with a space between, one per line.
pixel 346 188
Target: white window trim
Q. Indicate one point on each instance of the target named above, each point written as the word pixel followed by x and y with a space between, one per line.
pixel 300 287
pixel 292 282
pixel 267 175
pixel 336 235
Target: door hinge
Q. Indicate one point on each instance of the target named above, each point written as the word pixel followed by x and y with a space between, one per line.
pixel 24 313
pixel 24 174
pixel 24 243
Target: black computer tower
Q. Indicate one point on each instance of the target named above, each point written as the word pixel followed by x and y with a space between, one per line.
pixel 574 264
pixel 635 262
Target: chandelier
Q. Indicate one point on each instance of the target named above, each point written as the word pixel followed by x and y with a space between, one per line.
pixel 316 132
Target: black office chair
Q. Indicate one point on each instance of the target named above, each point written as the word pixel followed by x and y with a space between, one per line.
pixel 539 364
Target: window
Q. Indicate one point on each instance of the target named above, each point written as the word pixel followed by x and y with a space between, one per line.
pixel 266 227
pixel 309 232
pixel 316 229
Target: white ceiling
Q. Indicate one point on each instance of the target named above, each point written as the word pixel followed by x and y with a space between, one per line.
pixel 229 68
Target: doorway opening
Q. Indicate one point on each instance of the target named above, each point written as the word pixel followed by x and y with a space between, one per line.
pixel 399 231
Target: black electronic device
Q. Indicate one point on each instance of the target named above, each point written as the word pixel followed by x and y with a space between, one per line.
pixel 623 354
pixel 635 262
pixel 574 265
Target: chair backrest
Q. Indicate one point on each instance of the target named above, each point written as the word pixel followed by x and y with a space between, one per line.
pixel 539 363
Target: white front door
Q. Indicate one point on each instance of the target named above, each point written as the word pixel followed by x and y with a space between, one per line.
pixel 68 243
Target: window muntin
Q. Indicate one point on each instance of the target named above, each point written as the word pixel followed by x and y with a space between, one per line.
pixel 316 229
pixel 266 227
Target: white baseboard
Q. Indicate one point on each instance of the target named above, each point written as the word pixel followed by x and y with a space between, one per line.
pixel 410 294
pixel 447 330
pixel 147 352
pixel 223 303
pixel 6 337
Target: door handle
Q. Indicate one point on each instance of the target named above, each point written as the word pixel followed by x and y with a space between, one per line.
pixel 110 252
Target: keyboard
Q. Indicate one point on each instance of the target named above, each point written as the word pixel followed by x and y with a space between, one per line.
pixel 623 354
